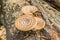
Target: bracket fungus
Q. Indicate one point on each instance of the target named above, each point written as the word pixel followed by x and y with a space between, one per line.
pixel 40 23
pixel 29 22
pixel 25 22
pixel 29 9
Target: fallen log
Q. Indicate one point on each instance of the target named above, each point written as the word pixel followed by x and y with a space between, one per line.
pixel 12 10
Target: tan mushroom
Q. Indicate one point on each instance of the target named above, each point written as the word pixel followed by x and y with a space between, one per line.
pixel 40 23
pixel 29 9
pixel 25 22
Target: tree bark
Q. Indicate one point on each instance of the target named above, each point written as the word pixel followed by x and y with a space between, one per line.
pixel 12 10
pixel 55 2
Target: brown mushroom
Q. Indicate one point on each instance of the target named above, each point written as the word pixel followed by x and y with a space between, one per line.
pixel 40 23
pixel 29 9
pixel 25 22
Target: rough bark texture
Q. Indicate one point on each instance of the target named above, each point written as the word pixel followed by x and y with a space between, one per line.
pixel 55 2
pixel 12 10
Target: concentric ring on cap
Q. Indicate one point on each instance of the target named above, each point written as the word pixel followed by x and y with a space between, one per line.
pixel 25 22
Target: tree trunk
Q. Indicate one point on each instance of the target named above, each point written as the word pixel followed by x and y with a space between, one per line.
pixel 12 10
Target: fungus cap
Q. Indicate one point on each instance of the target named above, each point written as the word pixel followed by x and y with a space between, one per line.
pixel 40 23
pixel 29 9
pixel 25 22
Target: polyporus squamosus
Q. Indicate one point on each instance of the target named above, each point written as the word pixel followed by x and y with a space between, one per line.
pixel 29 9
pixel 25 22
pixel 29 22
pixel 40 23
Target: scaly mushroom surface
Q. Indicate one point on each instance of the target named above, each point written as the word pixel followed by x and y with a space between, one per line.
pixel 29 9
pixel 25 22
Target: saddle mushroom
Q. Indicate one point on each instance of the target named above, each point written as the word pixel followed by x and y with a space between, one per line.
pixel 40 23
pixel 29 9
pixel 25 22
